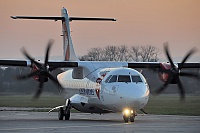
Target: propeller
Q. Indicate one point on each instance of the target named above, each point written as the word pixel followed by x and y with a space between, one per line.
pixel 175 72
pixel 42 70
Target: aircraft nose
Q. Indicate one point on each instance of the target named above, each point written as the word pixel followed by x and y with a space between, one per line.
pixel 135 96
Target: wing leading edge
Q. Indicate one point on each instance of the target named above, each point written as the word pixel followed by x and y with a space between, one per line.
pixel 27 63
pixel 158 65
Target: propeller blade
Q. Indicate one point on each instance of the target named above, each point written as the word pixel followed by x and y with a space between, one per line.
pixel 53 79
pixel 28 75
pixel 60 89
pixel 168 55
pixel 40 88
pixel 164 86
pixel 47 52
pixel 181 89
pixel 41 84
pixel 30 58
pixel 38 93
pixel 192 51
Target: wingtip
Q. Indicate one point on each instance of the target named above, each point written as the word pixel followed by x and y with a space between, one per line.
pixel 13 17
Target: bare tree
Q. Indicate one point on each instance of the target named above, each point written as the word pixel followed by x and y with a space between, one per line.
pixel 134 53
pixel 149 53
pixel 110 53
pixel 95 54
pixel 123 53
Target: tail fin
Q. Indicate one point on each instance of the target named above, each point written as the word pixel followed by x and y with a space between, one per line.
pixel 68 49
pixel 69 53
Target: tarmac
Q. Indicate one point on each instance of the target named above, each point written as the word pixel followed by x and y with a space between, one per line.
pixel 42 122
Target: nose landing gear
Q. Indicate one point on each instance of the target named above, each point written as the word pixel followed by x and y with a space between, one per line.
pixel 65 111
pixel 129 115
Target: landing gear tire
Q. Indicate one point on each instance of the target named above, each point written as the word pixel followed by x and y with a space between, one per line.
pixel 125 119
pixel 60 114
pixel 67 115
pixel 132 118
pixel 129 115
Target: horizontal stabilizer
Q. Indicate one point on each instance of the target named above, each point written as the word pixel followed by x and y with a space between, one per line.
pixel 31 17
pixel 92 19
pixel 62 18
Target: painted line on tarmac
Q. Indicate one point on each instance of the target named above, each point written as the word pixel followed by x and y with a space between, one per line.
pixel 84 126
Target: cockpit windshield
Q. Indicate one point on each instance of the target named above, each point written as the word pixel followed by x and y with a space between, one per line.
pixel 113 79
pixel 136 79
pixel 123 78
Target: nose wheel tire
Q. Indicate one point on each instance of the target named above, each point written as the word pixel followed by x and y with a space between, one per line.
pixel 129 116
pixel 132 118
pixel 125 119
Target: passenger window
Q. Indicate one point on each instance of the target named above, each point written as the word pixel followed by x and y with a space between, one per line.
pixel 113 79
pixel 136 79
pixel 106 81
pixel 124 78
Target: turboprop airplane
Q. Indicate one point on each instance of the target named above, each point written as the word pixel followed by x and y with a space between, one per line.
pixel 98 86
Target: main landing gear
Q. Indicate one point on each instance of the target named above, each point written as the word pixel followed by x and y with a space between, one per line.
pixel 129 115
pixel 64 111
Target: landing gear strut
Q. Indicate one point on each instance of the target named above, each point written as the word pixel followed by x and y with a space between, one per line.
pixel 64 111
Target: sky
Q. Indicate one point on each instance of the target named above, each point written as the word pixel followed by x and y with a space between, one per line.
pixel 139 22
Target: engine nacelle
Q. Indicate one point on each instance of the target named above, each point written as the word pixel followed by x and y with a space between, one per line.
pixel 164 76
pixel 36 77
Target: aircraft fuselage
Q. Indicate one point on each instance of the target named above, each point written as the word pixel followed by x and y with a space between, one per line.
pixel 119 89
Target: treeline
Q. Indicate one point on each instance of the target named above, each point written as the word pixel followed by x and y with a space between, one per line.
pixel 147 53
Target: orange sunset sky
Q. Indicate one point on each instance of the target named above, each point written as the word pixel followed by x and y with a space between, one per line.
pixel 139 22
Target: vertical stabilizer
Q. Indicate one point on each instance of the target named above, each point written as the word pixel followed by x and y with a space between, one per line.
pixel 68 48
pixel 69 53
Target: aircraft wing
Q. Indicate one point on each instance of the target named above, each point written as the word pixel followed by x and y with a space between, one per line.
pixel 15 63
pixel 158 65
pixel 144 65
pixel 27 63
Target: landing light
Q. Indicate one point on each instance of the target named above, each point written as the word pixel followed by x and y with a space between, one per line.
pixel 131 111
pixel 128 112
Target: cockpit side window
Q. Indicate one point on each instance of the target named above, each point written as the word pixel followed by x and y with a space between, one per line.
pixel 106 81
pixel 113 79
pixel 136 78
pixel 124 78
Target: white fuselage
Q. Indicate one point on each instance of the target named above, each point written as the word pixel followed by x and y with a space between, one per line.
pixel 87 95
